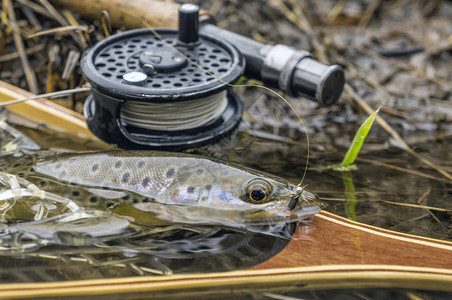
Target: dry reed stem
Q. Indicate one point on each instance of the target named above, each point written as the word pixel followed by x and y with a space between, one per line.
pixel 421 199
pixel 401 169
pixel 61 20
pixel 36 7
pixel 409 220
pixel 368 13
pixel 407 67
pixel 29 73
pixel 369 80
pixel 14 55
pixel 298 17
pixel 424 195
pixel 59 30
pixel 428 208
pixel 73 21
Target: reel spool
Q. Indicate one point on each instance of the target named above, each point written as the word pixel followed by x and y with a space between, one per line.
pixel 146 95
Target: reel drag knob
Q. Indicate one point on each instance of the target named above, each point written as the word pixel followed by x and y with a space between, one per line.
pixel 167 91
pixel 188 24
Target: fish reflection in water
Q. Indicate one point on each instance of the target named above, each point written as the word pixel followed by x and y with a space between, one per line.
pixel 12 140
pixel 165 204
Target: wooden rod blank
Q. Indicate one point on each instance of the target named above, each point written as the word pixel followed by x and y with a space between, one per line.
pixel 53 116
pixel 128 13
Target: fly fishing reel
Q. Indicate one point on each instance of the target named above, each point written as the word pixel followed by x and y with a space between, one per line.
pixel 168 89
pixel 162 89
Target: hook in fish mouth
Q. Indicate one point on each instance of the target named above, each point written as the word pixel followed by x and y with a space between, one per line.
pixel 293 202
pixel 295 199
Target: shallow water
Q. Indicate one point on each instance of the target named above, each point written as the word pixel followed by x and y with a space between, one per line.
pixel 172 251
pixel 54 231
pixel 391 187
pixel 380 193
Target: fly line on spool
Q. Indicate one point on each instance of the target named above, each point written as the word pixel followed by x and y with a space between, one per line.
pixel 172 116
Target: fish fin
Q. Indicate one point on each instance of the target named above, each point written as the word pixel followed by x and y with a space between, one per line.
pixel 141 217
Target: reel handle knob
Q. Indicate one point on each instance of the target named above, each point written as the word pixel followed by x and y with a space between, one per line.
pixel 318 81
pixel 188 24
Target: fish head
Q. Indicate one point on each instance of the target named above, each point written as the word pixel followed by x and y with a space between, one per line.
pixel 271 200
pixel 237 195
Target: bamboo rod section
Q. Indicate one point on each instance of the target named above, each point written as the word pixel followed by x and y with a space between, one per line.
pixel 131 14
pixel 53 116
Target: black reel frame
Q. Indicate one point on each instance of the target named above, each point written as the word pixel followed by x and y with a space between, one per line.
pixel 106 63
pixel 137 65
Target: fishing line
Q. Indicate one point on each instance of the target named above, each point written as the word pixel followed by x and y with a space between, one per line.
pixel 190 61
pixel 48 95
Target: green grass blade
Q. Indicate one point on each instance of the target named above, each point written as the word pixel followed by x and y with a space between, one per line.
pixel 350 204
pixel 358 141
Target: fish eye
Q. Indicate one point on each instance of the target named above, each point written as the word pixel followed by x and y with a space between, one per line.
pixel 258 191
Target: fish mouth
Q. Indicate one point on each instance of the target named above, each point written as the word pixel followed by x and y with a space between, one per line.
pixel 294 201
pixel 299 206
pixel 302 205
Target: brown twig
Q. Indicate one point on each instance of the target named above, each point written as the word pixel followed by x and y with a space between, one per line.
pixel 409 220
pixel 298 18
pixel 61 20
pixel 407 67
pixel 58 30
pixel 29 73
pixel 31 17
pixel 14 55
pixel 369 80
pixel 428 208
pixel 424 195
pixel 106 23
pixel 73 22
pixel 368 13
pixel 401 169
pixel 36 7
pixel 71 62
pixel 52 78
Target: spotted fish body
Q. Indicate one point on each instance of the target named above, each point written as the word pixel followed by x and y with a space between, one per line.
pixel 176 187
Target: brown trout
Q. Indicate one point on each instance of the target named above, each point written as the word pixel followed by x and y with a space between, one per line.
pixel 171 187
